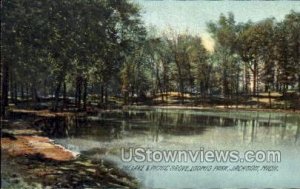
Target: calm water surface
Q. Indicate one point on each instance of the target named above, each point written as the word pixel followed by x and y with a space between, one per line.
pixel 104 135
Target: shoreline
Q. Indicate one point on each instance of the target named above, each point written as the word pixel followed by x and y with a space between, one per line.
pixel 31 160
pixel 218 108
pixel 64 171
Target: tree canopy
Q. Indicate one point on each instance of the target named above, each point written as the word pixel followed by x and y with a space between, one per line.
pixel 85 48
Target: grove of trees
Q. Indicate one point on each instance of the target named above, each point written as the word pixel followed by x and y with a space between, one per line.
pixel 101 48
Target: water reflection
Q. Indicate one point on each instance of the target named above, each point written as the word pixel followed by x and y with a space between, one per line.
pixel 244 127
pixel 103 136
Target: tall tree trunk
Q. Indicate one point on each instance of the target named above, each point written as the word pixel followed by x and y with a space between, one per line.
pixel 102 94
pixel 162 95
pixel 27 92
pixel 158 84
pixel 22 91
pixel 11 90
pixel 84 93
pixel 299 83
pixel 254 78
pixel 4 87
pixel 247 80
pixel 167 92
pixel 126 97
pixel 34 94
pixel 165 83
pixel 56 95
pixel 106 94
pixel 60 80
pixel 237 88
pixel 78 88
pixel 191 82
pixel 181 91
pixel 180 85
pixel 15 92
pixel 180 78
pixel 270 100
pixel 45 88
pixel 132 94
pixel 76 93
pixel 64 96
pixel 225 84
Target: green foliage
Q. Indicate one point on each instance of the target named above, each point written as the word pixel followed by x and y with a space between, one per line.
pixel 269 52
pixel 102 46
pixel 53 40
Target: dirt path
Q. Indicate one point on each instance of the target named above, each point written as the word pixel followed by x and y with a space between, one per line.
pixel 42 147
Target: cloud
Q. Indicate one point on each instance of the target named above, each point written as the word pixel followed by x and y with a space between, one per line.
pixel 208 42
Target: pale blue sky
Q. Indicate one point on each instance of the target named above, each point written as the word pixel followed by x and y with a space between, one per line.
pixel 193 15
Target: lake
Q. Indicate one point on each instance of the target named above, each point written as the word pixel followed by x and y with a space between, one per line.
pixel 103 136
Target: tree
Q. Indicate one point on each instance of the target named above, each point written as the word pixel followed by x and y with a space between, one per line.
pixel 287 50
pixel 225 32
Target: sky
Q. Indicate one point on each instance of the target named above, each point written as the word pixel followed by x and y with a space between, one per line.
pixel 192 15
